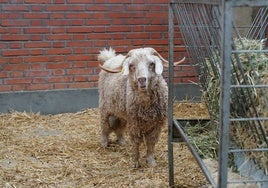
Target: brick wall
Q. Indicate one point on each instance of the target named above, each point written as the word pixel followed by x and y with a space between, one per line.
pixel 53 44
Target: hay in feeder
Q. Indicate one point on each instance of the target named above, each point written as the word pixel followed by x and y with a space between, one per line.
pixel 64 151
pixel 248 69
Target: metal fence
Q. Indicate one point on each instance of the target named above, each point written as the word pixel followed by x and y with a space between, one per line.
pixel 233 69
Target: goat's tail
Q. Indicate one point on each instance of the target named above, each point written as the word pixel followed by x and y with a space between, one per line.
pixel 106 54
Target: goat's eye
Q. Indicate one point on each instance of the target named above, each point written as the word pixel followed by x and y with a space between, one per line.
pixel 131 66
pixel 152 64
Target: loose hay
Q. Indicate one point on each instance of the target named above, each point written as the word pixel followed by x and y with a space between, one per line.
pixel 64 151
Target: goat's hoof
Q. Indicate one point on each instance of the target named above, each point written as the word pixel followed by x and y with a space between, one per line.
pixel 121 141
pixel 104 141
pixel 151 162
pixel 136 164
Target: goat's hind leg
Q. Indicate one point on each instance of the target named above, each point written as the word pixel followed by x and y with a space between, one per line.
pixel 119 126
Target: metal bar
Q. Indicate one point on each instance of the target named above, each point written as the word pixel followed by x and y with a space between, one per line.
pixel 249 51
pixel 194 153
pixel 248 181
pixel 197 2
pixel 249 119
pixel 249 3
pixel 226 37
pixel 170 95
pixel 249 86
pixel 247 150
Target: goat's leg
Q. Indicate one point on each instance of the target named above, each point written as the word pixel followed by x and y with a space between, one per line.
pixel 136 148
pixel 105 130
pixel 119 128
pixel 151 139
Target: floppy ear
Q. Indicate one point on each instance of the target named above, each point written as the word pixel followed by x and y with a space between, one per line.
pixel 125 67
pixel 158 66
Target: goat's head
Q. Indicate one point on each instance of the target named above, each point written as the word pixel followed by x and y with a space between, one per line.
pixel 141 65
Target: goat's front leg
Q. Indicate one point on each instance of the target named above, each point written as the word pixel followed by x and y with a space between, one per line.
pixel 136 148
pixel 151 139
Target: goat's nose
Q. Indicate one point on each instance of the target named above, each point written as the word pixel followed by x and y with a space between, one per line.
pixel 142 80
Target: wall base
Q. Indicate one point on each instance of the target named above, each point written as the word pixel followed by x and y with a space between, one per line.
pixel 63 101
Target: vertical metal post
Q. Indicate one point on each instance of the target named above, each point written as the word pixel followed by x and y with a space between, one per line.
pixel 226 50
pixel 170 95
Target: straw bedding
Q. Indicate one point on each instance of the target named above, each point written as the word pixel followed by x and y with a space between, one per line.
pixel 64 151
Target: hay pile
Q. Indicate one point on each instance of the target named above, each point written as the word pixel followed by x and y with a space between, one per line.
pixel 64 151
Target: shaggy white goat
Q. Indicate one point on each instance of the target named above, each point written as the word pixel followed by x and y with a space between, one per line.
pixel 133 96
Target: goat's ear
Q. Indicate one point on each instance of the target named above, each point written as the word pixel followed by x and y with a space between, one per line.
pixel 125 68
pixel 158 66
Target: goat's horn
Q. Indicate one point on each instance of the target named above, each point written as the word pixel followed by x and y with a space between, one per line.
pixel 165 62
pixel 110 70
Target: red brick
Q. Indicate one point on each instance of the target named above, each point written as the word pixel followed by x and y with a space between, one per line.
pixel 59 37
pixel 81 1
pixel 16 23
pixel 15 52
pixel 60 85
pixel 78 15
pixel 58 30
pixel 16 60
pixel 16 74
pixel 79 50
pixel 78 44
pixel 79 64
pixel 5 88
pixel 95 7
pixel 34 73
pixel 119 42
pixel 40 30
pixel 119 29
pixel 58 51
pixel 38 1
pixel 57 15
pixel 36 37
pixel 59 65
pixel 119 1
pixel 36 51
pixel 33 59
pixel 36 15
pixel 3 75
pixel 98 22
pixel 59 72
pixel 79 37
pixel 37 45
pixel 14 37
pixel 59 1
pixel 37 66
pixel 60 79
pixel 38 80
pixel 12 81
pixel 79 29
pixel 81 85
pixel 15 7
pixel 36 8
pixel 58 7
pixel 79 71
pixel 77 22
pixel 80 78
pixel 34 87
pixel 58 44
pixel 14 45
pixel 78 58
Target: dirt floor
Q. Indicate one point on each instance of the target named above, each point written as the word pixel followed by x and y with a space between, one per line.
pixel 64 151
